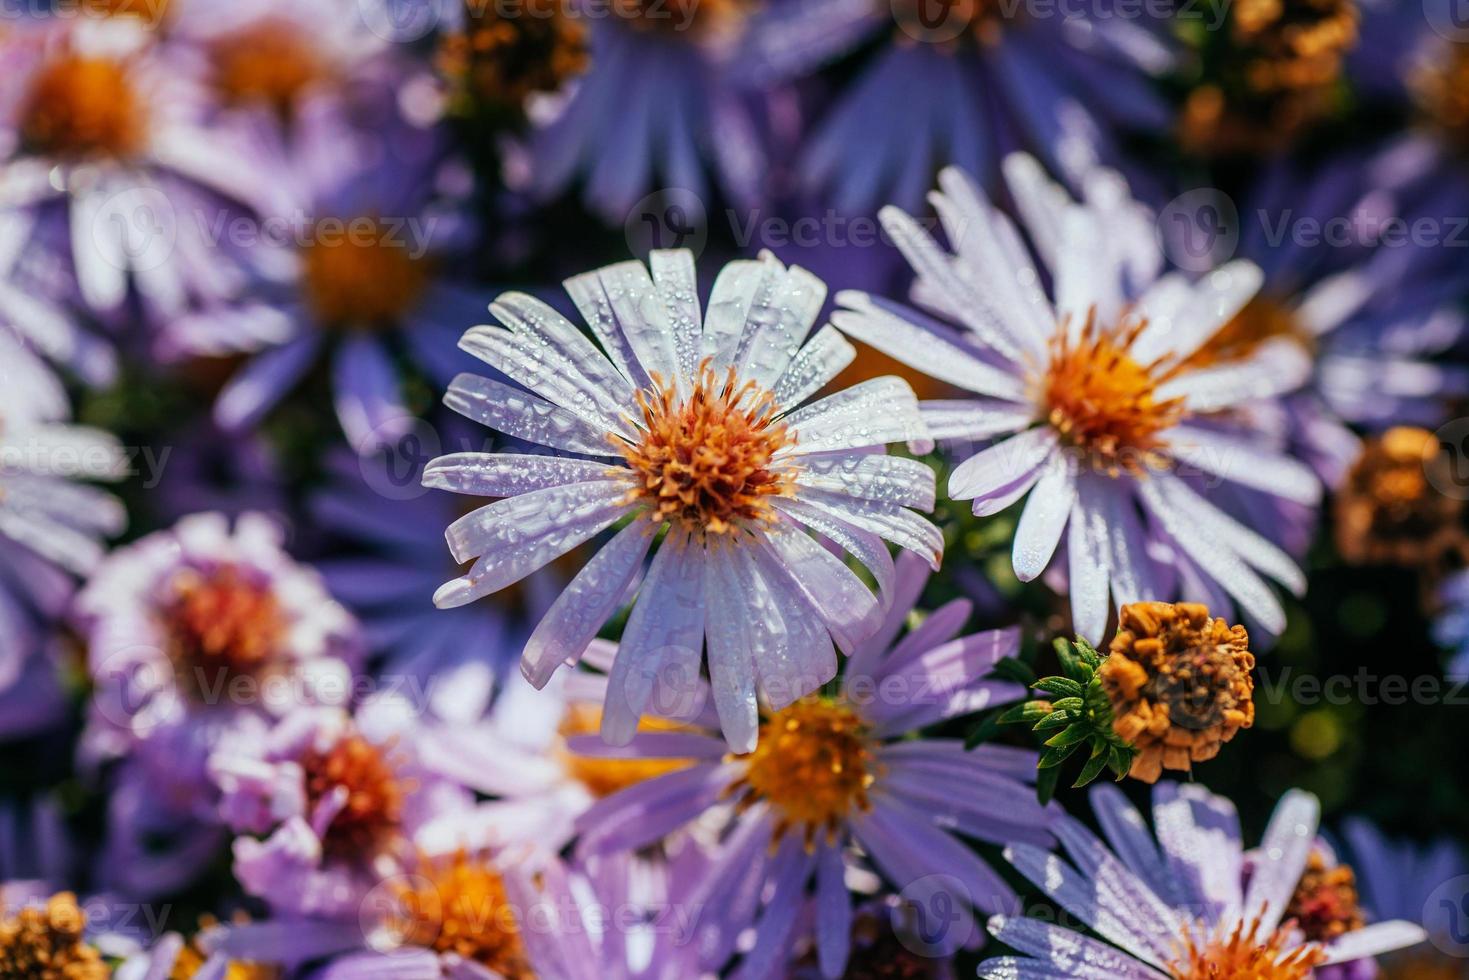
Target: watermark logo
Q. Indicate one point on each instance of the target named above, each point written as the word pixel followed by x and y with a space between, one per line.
pixel 670 218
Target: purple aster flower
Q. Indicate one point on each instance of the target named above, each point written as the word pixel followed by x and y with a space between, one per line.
pixel 692 426
pixel 1451 627
pixel 1373 314
pixel 51 527
pixel 993 79
pixel 835 772
pixel 1398 880
pixel 101 134
pixel 198 637
pixel 1190 905
pixel 1096 411
pixel 274 57
pixel 355 241
pixel 656 99
pixel 329 804
pixel 35 317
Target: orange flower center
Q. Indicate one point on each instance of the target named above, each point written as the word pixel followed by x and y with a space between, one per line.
pixel 458 905
pixel 373 810
pixel 706 459
pixel 1388 510
pixel 361 274
pixel 45 943
pixel 603 777
pixel 814 764
pixel 270 63
pixel 500 61
pixel 221 625
pixel 1261 320
pixel 83 108
pixel 1104 403
pixel 150 12
pixel 1242 955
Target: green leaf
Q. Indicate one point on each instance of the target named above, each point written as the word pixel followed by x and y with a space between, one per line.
pixel 1045 785
pixel 1071 736
pixel 1093 767
pixel 1054 722
pixel 987 729
pixel 1060 686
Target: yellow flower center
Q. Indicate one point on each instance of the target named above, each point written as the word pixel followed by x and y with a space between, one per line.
pixel 82 108
pixel 269 63
pixel 45 943
pixel 1244 955
pixel 1103 402
pixel 221 625
pixel 605 776
pixel 705 459
pixel 500 61
pixel 373 812
pixel 361 274
pixel 1261 320
pixel 813 765
pixel 458 905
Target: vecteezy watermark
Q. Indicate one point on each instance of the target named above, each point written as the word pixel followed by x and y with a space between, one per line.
pixel 84 459
pixel 941 21
pixel 1448 905
pixel 141 920
pixel 1448 472
pixel 147 12
pixel 392 457
pixel 1449 19
pixel 673 217
pixel 1202 228
pixel 138 688
pixel 932 916
pixel 1364 687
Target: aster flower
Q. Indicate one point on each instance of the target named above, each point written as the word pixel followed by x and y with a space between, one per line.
pixel 1097 413
pixel 1373 315
pixel 357 278
pixel 329 804
pixel 1390 509
pixel 198 636
pixel 1397 880
pixel 991 75
pixel 102 134
pixel 1191 905
pixel 51 526
pixel 32 315
pixel 618 128
pixel 274 57
pixel 694 431
pixel 836 771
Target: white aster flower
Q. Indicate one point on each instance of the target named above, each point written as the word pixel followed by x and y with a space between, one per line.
pixel 1098 413
pixel 688 424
